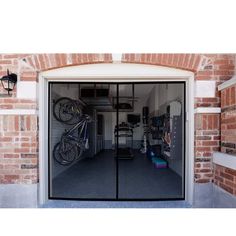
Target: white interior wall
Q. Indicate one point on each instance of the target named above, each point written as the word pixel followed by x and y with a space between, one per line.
pixel 162 94
pixel 175 91
pixel 138 109
pixel 109 126
pixel 66 90
pixel 168 93
pixel 159 97
pixel 152 100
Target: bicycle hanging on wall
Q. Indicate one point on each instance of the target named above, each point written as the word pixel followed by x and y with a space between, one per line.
pixel 71 146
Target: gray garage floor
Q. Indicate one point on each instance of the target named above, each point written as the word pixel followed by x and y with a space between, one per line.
pixel 96 178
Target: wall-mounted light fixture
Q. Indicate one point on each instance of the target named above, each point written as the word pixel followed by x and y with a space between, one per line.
pixel 9 81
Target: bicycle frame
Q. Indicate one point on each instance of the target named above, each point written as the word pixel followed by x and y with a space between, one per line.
pixel 82 127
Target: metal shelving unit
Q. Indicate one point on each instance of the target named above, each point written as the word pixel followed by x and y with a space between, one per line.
pixel 124 131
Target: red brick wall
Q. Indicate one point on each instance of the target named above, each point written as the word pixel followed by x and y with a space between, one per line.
pixel 18 149
pixel 207 140
pixel 225 178
pixel 228 120
pixel 217 67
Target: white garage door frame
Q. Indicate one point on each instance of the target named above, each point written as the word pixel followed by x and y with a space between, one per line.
pixel 119 72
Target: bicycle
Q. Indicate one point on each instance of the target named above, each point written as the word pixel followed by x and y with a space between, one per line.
pixel 67 110
pixel 71 147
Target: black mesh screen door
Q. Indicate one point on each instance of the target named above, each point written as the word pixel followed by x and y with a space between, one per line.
pixel 116 141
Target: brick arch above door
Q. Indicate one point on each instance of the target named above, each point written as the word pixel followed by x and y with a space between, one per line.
pixel 33 63
pixel 42 62
pixel 218 67
pixel 189 62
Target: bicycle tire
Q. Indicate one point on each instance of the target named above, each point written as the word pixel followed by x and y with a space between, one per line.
pixel 79 152
pixel 57 155
pixel 66 110
pixel 70 151
pixel 66 156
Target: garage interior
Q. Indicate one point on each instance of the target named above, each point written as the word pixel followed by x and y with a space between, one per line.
pixel 132 146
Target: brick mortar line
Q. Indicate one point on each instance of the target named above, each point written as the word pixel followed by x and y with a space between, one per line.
pixel 24 111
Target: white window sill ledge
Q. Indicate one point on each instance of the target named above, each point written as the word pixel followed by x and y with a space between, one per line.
pixel 227 83
pixel 225 160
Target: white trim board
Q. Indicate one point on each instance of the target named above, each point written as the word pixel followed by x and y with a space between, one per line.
pixel 117 72
pixel 205 88
pixel 27 89
pixel 227 83
pixel 18 112
pixel 122 71
pixel 224 159
pixel 207 110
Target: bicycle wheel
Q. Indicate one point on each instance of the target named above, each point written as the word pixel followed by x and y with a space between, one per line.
pixel 80 150
pixel 66 110
pixel 68 151
pixel 57 155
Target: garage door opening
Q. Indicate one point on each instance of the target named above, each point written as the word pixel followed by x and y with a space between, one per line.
pixel 116 141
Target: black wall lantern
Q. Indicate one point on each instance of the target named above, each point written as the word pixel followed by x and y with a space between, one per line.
pixel 8 81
